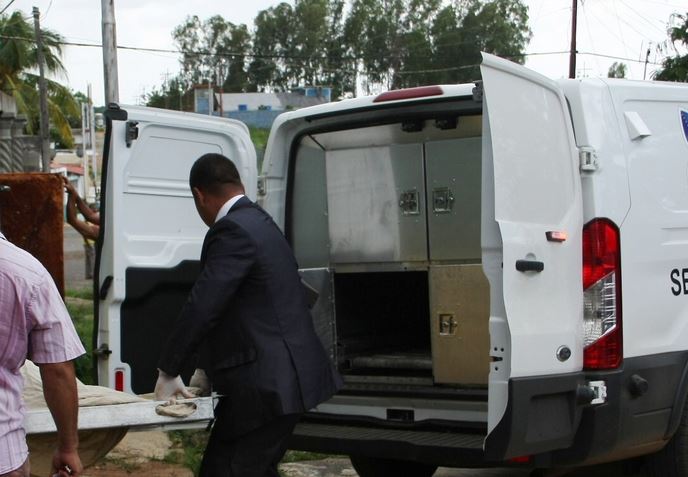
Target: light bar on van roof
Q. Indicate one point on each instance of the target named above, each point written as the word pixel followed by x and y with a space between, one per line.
pixel 409 93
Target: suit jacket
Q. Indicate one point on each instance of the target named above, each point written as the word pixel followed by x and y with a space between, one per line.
pixel 248 315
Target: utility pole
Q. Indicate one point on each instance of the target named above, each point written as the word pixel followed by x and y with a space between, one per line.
pixel 647 60
pixel 574 27
pixel 43 91
pixel 92 137
pixel 110 52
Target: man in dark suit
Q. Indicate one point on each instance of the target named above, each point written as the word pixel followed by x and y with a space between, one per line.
pixel 247 318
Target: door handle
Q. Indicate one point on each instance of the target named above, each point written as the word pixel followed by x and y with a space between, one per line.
pixel 529 266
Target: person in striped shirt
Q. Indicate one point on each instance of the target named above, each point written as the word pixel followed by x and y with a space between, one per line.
pixel 35 325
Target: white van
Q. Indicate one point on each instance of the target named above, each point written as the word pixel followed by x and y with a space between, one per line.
pixel 502 268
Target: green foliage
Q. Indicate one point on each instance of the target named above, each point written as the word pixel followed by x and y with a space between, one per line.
pixel 379 44
pixel 617 70
pixel 80 307
pixel 675 67
pixel 302 456
pixel 192 444
pixel 213 50
pixel 18 56
pixel 172 95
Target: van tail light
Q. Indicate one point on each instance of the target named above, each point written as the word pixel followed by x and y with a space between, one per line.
pixel 603 337
pixel 409 93
pixel 119 380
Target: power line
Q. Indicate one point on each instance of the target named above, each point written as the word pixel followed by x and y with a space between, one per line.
pixel 6 7
pixel 643 18
pixel 292 57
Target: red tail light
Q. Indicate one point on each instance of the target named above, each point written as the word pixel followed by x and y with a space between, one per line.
pixel 603 337
pixel 119 380
pixel 409 93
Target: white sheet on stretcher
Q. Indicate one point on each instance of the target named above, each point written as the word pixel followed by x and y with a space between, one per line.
pixel 94 444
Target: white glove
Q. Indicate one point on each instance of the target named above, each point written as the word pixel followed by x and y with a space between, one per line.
pixel 200 380
pixel 168 388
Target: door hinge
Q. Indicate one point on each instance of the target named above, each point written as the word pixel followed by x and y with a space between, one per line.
pixel 588 159
pixel 102 351
pixel 478 92
pixel 262 186
pixel 131 132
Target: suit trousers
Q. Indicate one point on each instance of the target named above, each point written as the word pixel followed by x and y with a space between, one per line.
pixel 254 454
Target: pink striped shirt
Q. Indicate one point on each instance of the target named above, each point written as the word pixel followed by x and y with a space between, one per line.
pixel 34 324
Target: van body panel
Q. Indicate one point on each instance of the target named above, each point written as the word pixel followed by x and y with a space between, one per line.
pixel 654 234
pixel 152 229
pixel 537 190
pixel 606 191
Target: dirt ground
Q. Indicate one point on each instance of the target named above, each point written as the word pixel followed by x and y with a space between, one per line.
pixel 144 453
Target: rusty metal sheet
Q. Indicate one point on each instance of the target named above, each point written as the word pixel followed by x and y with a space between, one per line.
pixel 32 217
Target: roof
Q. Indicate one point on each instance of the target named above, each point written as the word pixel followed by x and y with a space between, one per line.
pixel 71 168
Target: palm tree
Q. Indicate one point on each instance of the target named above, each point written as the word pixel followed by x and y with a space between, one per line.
pixel 18 63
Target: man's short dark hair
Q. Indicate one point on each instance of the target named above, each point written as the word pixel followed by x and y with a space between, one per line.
pixel 211 172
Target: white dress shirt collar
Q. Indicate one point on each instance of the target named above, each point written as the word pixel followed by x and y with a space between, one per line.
pixel 227 205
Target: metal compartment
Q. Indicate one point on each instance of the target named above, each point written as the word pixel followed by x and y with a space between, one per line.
pixel 460 312
pixel 376 204
pixel 453 197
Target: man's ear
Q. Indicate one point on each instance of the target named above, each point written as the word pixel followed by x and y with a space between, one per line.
pixel 198 195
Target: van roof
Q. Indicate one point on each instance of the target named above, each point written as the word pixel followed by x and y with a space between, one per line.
pixel 367 102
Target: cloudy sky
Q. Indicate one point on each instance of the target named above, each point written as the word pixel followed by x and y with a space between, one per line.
pixel 622 29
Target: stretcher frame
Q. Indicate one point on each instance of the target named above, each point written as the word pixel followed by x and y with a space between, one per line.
pixel 135 416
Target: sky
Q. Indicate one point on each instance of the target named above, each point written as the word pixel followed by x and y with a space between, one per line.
pixel 623 29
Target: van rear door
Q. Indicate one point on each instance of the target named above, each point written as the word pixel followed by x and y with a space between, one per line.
pixel 536 323
pixel 151 233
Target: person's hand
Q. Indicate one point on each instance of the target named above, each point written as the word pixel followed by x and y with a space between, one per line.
pixel 69 188
pixel 66 464
pixel 167 388
pixel 200 380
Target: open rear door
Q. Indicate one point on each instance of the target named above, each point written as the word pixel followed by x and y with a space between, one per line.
pixel 536 338
pixel 151 234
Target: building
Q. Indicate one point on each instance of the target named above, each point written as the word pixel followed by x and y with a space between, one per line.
pixel 258 109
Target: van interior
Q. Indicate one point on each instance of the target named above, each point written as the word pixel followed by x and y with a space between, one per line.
pixel 385 222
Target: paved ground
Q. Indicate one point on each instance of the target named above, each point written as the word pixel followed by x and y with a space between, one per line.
pixel 74 262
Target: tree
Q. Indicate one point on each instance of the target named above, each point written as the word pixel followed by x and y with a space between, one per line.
pixel 376 44
pixel 272 48
pixel 617 70
pixel 172 95
pixel 499 27
pixel 401 43
pixel 213 51
pixel 18 56
pixel 675 68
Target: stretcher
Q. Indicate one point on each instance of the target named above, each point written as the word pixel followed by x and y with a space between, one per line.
pixel 141 415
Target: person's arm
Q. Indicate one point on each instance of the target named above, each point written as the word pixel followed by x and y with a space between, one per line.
pixel 87 230
pixel 89 214
pixel 59 390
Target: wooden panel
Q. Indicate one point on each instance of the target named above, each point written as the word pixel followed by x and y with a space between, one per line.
pixel 32 218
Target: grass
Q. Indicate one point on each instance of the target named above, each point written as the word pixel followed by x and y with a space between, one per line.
pixel 80 307
pixel 259 137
